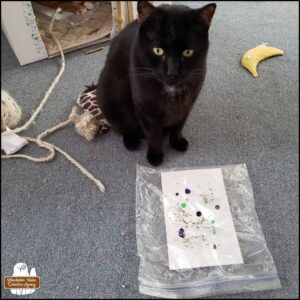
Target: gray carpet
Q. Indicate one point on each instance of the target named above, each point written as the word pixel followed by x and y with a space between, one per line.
pixel 81 241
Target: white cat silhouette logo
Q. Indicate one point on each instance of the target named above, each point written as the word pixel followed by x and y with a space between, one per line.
pixel 21 282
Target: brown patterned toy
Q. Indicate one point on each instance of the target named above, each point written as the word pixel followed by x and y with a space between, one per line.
pixel 92 122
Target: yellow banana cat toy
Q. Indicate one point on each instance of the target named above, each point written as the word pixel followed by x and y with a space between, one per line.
pixel 254 56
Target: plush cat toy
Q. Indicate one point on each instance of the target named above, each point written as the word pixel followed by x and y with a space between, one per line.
pixel 92 122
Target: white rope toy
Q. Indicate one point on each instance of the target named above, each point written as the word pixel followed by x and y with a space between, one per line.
pixel 11 115
pixel 10 111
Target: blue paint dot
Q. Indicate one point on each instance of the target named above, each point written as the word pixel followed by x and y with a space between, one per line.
pixel 187 191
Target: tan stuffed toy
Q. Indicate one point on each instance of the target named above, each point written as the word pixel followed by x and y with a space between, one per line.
pixel 92 122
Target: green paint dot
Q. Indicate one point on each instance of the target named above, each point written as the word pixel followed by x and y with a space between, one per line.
pixel 183 205
pixel 212 221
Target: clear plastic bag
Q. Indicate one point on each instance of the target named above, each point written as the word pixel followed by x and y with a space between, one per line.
pixel 258 272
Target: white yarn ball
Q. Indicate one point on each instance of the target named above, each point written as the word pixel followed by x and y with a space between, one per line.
pixel 10 112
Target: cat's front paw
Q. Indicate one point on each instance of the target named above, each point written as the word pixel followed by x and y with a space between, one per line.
pixel 155 159
pixel 180 145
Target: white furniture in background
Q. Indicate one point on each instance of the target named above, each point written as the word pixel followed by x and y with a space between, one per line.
pixel 19 26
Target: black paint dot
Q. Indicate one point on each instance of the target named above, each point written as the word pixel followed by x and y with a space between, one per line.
pixel 177 194
pixel 181 233
pixel 187 191
pixel 217 206
pixel 215 247
pixel 198 213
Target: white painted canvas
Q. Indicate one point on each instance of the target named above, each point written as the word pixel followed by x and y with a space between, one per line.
pixel 199 227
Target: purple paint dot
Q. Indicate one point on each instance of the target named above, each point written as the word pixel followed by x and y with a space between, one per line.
pixel 181 233
pixel 187 191
pixel 217 206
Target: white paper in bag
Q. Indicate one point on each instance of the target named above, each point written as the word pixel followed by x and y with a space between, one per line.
pixel 199 226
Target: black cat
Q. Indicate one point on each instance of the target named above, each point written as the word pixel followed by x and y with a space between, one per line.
pixel 153 73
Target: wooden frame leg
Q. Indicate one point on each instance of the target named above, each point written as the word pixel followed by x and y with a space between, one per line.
pixel 129 11
pixel 120 17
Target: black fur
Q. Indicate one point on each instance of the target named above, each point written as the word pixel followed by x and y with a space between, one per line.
pixel 90 88
pixel 145 95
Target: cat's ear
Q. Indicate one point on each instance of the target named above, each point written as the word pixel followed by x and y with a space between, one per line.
pixel 205 14
pixel 145 9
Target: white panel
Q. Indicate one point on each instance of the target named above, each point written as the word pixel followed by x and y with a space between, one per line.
pixel 19 26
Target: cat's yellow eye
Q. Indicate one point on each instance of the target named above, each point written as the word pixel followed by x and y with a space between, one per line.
pixel 187 53
pixel 158 51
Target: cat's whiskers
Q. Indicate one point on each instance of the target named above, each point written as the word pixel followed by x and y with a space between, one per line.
pixel 143 75
pixel 141 68
pixel 197 74
pixel 144 72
